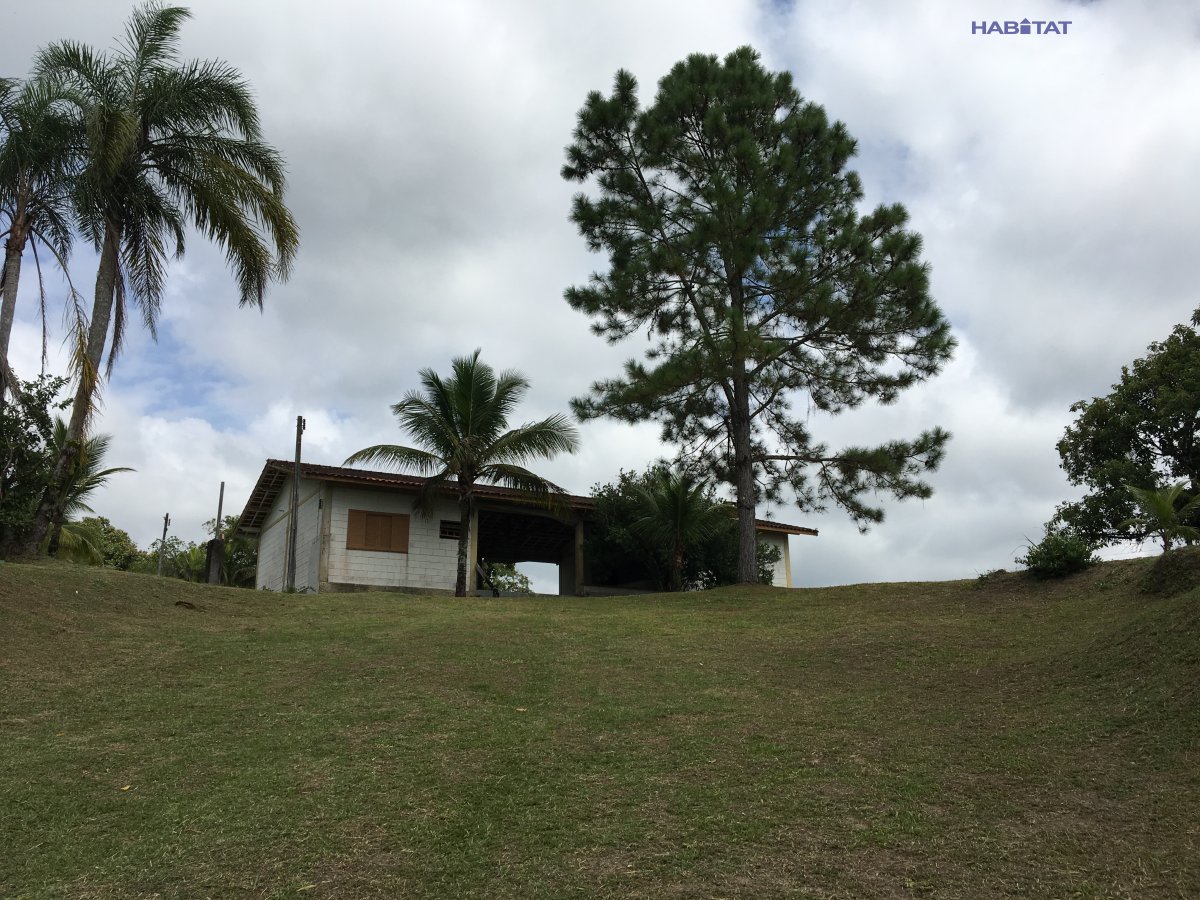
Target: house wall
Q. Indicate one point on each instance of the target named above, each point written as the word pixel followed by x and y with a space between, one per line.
pixel 272 540
pixel 782 576
pixel 430 563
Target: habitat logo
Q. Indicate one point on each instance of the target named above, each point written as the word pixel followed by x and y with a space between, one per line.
pixel 1025 26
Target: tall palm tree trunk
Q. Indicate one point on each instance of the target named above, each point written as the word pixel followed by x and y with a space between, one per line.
pixel 50 510
pixel 464 545
pixel 13 249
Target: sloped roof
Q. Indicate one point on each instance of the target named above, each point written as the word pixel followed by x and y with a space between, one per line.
pixel 276 471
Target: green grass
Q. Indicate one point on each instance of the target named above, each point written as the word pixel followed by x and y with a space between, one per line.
pixel 962 739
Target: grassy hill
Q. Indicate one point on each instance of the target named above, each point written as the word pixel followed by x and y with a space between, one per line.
pixel 964 739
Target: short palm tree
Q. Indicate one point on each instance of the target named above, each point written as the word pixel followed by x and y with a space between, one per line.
pixel 84 478
pixel 39 157
pixel 1162 514
pixel 79 542
pixel 458 425
pixel 677 514
pixel 170 142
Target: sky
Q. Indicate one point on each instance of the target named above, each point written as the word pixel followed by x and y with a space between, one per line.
pixel 1053 177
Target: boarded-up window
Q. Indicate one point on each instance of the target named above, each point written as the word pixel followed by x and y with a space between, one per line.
pixel 368 530
pixel 450 530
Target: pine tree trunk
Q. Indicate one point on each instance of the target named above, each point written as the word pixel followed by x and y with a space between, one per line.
pixel 8 307
pixel 464 545
pixel 744 486
pixel 50 508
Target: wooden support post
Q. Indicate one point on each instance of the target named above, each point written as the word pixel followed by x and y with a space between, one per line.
pixel 473 555
pixel 579 558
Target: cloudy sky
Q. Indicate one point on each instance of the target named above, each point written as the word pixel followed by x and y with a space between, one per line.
pixel 1054 179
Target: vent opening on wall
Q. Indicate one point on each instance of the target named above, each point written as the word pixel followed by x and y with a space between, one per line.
pixel 449 530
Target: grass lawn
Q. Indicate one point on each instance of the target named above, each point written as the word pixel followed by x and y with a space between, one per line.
pixel 959 739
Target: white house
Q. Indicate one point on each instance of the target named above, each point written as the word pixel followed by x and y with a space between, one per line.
pixel 358 530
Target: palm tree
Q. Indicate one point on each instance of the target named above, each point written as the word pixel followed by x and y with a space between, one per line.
pixel 1162 514
pixel 84 478
pixel 39 154
pixel 458 425
pixel 79 542
pixel 169 142
pixel 678 514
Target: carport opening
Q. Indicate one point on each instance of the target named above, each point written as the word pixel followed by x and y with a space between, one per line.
pixel 541 545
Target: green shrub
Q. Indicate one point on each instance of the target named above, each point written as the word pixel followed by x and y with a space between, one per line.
pixel 1058 554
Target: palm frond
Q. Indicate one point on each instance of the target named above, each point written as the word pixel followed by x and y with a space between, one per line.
pixel 537 440
pixel 420 461
pixel 79 543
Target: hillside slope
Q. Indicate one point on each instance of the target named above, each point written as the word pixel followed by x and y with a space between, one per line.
pixel 991 738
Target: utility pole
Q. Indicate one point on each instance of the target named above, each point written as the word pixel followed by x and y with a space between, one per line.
pixel 162 545
pixel 290 584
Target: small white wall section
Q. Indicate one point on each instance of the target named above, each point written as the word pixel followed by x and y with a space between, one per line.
pixel 272 540
pixel 779 577
pixel 430 563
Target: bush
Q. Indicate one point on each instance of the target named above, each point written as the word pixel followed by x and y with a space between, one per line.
pixel 1058 554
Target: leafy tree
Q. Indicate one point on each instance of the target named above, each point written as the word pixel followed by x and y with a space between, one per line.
pixel 1144 433
pixel 170 142
pixel 188 560
pixel 116 548
pixel 734 238
pixel 26 430
pixel 181 560
pixel 39 143
pixel 170 548
pixel 240 564
pixel 624 552
pixel 1165 513
pixel 458 424
pixel 506 579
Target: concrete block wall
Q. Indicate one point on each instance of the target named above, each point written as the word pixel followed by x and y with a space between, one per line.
pixel 308 537
pixel 272 540
pixel 430 563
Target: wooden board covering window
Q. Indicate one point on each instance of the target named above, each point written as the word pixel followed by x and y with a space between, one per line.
pixel 368 530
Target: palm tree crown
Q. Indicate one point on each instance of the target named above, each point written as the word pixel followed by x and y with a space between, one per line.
pixel 39 157
pixel 83 480
pixel 172 142
pixel 1164 515
pixel 459 427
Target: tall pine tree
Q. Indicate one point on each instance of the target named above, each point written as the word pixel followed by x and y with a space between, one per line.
pixel 733 235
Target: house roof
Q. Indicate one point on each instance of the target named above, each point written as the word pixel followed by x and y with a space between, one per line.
pixel 276 471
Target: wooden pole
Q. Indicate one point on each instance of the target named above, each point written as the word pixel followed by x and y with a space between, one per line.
pixel 290 584
pixel 162 545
